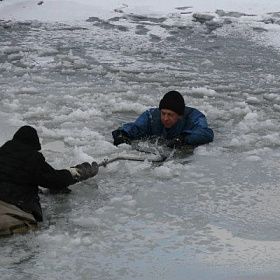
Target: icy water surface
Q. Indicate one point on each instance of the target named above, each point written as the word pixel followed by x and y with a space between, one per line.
pixel 213 216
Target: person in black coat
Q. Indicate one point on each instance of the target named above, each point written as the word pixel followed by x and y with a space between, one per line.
pixel 22 170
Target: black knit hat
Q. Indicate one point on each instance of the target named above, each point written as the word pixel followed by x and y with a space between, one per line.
pixel 174 101
pixel 28 136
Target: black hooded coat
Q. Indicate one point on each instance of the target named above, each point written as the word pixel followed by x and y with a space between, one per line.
pixel 23 169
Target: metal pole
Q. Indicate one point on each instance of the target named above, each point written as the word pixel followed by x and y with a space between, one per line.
pixel 105 162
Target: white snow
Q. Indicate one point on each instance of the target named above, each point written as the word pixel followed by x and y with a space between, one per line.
pixel 52 10
pixel 76 86
pixel 77 11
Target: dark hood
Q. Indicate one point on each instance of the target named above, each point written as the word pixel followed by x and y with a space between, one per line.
pixel 28 136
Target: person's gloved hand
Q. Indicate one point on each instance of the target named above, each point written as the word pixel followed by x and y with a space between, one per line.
pixel 120 137
pixel 94 168
pixel 84 171
pixel 177 142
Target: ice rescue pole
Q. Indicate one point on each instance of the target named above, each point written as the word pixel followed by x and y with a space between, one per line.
pixel 105 162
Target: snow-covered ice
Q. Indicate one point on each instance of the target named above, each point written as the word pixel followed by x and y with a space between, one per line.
pixel 78 69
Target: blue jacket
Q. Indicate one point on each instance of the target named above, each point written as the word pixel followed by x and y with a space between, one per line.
pixel 193 125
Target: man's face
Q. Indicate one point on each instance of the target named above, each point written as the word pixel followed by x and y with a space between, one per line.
pixel 168 117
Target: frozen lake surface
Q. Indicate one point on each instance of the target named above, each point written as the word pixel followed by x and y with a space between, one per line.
pixel 214 216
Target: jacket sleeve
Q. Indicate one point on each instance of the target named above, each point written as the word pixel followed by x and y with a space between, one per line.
pixel 140 128
pixel 48 177
pixel 199 133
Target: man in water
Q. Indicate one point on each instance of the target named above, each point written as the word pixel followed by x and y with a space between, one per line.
pixel 22 170
pixel 178 124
